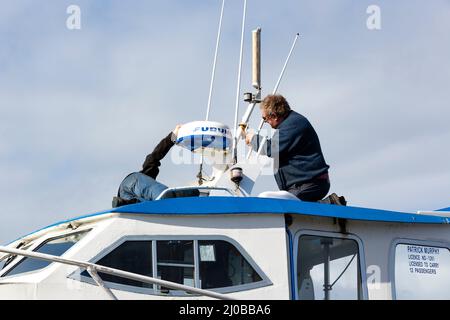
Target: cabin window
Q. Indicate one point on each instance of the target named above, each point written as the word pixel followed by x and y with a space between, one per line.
pixel 206 264
pixel 328 268
pixel 422 272
pixel 222 265
pixel 130 256
pixel 175 262
pixel 56 247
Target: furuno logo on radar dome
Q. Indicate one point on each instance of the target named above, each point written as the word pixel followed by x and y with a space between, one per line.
pixel 211 129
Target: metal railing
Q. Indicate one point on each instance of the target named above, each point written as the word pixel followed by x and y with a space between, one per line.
pixel 435 213
pixel 94 269
pixel 169 190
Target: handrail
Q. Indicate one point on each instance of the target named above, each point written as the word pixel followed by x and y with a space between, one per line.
pixel 99 281
pixel 435 213
pixel 161 196
pixel 115 272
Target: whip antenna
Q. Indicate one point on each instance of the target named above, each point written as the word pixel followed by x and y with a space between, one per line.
pixel 281 74
pixel 215 61
pixel 219 31
pixel 239 83
pixel 285 64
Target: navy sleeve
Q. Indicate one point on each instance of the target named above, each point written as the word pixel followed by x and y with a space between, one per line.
pixel 282 142
pixel 255 143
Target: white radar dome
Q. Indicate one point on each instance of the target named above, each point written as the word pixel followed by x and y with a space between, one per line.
pixel 207 135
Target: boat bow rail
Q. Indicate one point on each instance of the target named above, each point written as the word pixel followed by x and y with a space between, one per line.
pixel 93 270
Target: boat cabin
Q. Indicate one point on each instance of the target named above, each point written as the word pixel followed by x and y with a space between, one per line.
pixel 237 248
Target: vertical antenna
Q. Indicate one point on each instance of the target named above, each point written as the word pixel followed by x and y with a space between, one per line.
pixel 256 82
pixel 215 61
pixel 276 89
pixel 238 89
pixel 256 59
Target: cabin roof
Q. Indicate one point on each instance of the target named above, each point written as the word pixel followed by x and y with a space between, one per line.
pixel 253 205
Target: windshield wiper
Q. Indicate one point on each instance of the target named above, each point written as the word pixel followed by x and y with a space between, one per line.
pixel 10 258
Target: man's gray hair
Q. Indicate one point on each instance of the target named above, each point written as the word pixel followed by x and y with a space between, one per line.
pixel 275 104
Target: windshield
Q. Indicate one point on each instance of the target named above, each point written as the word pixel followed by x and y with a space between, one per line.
pixel 7 259
pixel 55 246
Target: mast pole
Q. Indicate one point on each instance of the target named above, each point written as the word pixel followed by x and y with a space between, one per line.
pixel 275 89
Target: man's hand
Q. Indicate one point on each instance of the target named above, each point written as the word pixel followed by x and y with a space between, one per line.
pixel 249 137
pixel 177 128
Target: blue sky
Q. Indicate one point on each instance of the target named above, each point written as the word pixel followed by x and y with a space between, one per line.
pixel 80 109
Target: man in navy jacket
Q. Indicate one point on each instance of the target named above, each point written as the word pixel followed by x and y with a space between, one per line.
pixel 302 169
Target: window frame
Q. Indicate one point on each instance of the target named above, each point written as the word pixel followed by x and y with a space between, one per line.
pixel 407 241
pixel 154 291
pixel 338 235
pixel 156 288
pixel 35 246
pixel 26 247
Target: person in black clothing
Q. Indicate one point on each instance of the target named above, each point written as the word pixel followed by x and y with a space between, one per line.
pixel 142 185
pixel 302 169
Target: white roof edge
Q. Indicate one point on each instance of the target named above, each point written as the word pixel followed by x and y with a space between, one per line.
pixel 435 213
pixel 63 225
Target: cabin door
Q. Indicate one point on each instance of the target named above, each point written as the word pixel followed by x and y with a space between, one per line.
pixel 327 267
